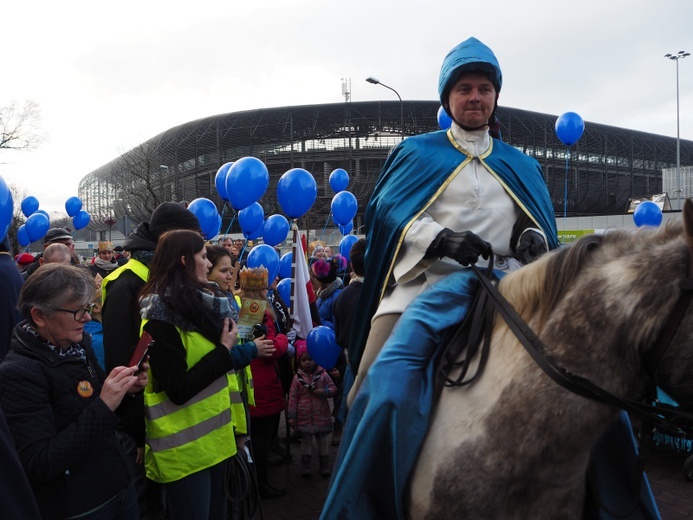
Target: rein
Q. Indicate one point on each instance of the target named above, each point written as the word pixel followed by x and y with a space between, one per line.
pixel 667 419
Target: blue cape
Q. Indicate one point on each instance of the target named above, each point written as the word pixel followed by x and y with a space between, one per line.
pixel 413 177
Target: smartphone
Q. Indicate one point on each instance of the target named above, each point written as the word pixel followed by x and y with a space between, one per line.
pixel 141 350
pixel 259 330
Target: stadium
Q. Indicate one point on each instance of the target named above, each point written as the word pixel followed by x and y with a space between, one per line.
pixel 604 171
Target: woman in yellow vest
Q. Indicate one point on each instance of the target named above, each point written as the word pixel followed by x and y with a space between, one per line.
pixel 188 416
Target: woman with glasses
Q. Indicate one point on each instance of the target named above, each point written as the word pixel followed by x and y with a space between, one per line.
pixel 59 404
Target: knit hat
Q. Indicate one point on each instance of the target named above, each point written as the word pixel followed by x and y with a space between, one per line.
pixel 324 270
pixel 301 348
pixel 171 215
pixel 105 246
pixel 57 234
pixel 254 279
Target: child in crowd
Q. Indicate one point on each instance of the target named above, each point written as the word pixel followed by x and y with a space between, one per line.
pixel 309 410
pixel 94 327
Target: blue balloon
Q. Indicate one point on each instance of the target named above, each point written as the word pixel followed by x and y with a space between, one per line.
pixel 322 347
pixel 444 120
pixel 220 180
pixel 81 219
pixel 211 233
pixel 285 265
pixel 275 230
pixel 569 128
pixel 72 206
pixel 254 235
pixel 265 256
pixel 346 244
pixel 344 207
pixel 296 192
pixel 284 290
pixel 647 214
pixel 206 212
pixel 22 237
pixel 251 218
pixel 6 208
pixel 345 229
pixel 246 182
pixel 36 226
pixel 29 205
pixel 339 180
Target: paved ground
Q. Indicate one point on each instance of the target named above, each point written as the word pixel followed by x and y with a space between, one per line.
pixel 305 496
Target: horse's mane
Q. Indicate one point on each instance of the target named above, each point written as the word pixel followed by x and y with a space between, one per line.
pixel 535 290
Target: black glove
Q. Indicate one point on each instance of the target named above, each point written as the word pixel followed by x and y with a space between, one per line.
pixel 464 247
pixel 530 246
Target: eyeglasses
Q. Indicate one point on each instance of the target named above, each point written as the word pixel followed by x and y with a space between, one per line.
pixel 79 313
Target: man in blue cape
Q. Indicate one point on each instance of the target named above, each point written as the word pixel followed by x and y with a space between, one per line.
pixel 443 200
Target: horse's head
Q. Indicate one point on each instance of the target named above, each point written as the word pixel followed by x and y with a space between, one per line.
pixel 601 303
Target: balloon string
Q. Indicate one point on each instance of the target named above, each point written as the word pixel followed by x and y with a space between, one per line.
pixel 324 228
pixel 230 224
pixel 565 189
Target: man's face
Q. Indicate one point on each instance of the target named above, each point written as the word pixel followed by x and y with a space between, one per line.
pixel 227 244
pixel 472 100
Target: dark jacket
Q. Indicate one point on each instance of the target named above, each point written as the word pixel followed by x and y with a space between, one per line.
pixel 65 439
pixel 10 285
pixel 121 332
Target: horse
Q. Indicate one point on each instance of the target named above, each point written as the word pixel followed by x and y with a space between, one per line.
pixel 514 444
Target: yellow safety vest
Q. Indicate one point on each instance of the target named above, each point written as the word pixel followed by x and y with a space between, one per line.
pixel 133 265
pixel 184 439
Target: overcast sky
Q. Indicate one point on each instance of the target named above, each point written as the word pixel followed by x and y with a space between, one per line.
pixel 109 76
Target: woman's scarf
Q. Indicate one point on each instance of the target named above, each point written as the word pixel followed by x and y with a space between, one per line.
pixel 106 265
pixel 207 318
pixel 74 350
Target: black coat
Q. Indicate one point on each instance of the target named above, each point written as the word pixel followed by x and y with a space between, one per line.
pixel 65 439
pixel 10 285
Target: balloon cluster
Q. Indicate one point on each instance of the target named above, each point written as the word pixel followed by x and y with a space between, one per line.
pixel 80 217
pixel 344 204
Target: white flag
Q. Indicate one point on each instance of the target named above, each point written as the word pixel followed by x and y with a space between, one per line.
pixel 300 305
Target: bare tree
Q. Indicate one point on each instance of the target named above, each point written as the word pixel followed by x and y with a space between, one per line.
pixel 19 126
pixel 142 182
pixel 18 193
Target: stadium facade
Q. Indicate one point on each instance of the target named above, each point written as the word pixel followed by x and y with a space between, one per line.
pixel 604 170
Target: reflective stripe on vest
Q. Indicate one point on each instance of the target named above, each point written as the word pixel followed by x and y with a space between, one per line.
pixel 192 433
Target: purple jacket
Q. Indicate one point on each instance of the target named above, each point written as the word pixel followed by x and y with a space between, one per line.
pixel 311 413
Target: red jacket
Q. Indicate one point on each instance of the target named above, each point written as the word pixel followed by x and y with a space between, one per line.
pixel 269 396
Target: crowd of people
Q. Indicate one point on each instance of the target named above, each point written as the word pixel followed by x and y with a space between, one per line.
pixel 100 437
pixel 211 390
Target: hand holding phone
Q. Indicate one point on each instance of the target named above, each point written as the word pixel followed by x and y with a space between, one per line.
pixel 141 351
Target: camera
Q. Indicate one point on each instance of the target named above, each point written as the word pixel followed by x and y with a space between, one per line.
pixel 259 330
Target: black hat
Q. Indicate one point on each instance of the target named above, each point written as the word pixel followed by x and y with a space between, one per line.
pixel 171 215
pixel 118 249
pixel 55 234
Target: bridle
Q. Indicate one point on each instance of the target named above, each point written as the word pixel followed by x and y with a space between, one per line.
pixel 477 327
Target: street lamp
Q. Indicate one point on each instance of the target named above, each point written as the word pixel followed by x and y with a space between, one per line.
pixel 374 81
pixel 676 58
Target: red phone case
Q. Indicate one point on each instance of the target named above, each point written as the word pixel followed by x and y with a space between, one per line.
pixel 141 349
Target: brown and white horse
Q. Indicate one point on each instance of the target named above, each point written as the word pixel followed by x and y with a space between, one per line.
pixel 514 444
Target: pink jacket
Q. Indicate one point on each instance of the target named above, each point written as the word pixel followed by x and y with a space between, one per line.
pixel 311 413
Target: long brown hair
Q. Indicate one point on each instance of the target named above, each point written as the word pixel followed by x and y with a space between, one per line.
pixel 174 281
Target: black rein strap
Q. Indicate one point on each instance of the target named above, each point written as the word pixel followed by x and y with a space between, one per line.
pixel 664 417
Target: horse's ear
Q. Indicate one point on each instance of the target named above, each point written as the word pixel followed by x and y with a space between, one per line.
pixel 688 221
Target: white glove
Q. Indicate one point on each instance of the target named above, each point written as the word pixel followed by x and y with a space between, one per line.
pixel 291 335
pixel 291 350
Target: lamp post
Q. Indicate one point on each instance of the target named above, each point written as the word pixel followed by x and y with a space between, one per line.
pixel 374 81
pixel 676 57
